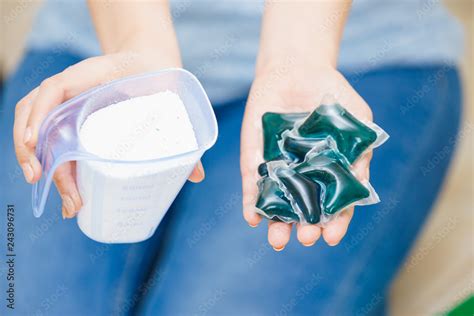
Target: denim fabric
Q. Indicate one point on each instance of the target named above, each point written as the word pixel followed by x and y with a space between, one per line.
pixel 204 259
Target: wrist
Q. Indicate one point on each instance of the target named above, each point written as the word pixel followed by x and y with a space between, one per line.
pixel 305 34
pixel 293 68
pixel 150 56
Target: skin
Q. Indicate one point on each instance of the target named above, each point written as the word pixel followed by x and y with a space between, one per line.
pixel 296 67
pixel 280 96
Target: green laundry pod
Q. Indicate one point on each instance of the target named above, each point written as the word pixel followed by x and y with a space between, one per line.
pixel 274 124
pixel 304 193
pixel 263 169
pixel 272 202
pixel 306 176
pixel 295 147
pixel 340 187
pixel 351 136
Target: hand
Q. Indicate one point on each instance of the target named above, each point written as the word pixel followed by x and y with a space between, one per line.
pixel 289 88
pixel 34 107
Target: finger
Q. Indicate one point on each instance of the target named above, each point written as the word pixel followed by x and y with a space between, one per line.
pixel 50 94
pixel 250 158
pixel 249 194
pixel 251 217
pixel 308 234
pixel 278 234
pixel 336 229
pixel 64 178
pixel 63 86
pixel 197 175
pixel 361 167
pixel 25 156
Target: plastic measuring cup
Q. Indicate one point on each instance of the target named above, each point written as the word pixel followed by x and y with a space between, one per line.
pixel 123 201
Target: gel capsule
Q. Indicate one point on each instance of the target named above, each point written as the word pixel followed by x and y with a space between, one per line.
pixel 304 192
pixel 274 124
pixel 351 136
pixel 273 203
pixel 296 147
pixel 340 186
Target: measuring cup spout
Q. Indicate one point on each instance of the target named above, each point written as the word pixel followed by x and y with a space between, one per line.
pixel 57 144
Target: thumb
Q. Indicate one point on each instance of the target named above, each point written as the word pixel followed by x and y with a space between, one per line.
pixel 362 165
pixel 198 173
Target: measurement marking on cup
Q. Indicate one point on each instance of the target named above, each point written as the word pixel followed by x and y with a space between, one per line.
pixel 10 256
pixel 131 135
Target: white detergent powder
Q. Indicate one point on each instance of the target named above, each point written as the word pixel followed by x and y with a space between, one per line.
pixel 141 128
pixel 125 202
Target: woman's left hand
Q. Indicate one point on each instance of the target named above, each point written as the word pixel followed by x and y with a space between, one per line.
pixel 289 88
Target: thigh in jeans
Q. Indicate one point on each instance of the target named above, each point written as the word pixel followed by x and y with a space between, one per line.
pixel 214 264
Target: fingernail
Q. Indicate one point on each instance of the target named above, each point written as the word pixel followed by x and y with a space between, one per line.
pixel 278 249
pixel 27 136
pixel 77 198
pixel 63 211
pixel 308 245
pixel 68 205
pixel 28 172
pixel 200 169
pixel 253 226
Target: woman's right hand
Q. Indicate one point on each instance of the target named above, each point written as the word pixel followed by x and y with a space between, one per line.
pixel 35 106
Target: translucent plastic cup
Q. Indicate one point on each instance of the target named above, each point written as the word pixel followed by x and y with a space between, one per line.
pixel 123 201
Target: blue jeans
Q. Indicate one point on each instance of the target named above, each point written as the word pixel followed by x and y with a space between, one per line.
pixel 204 259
